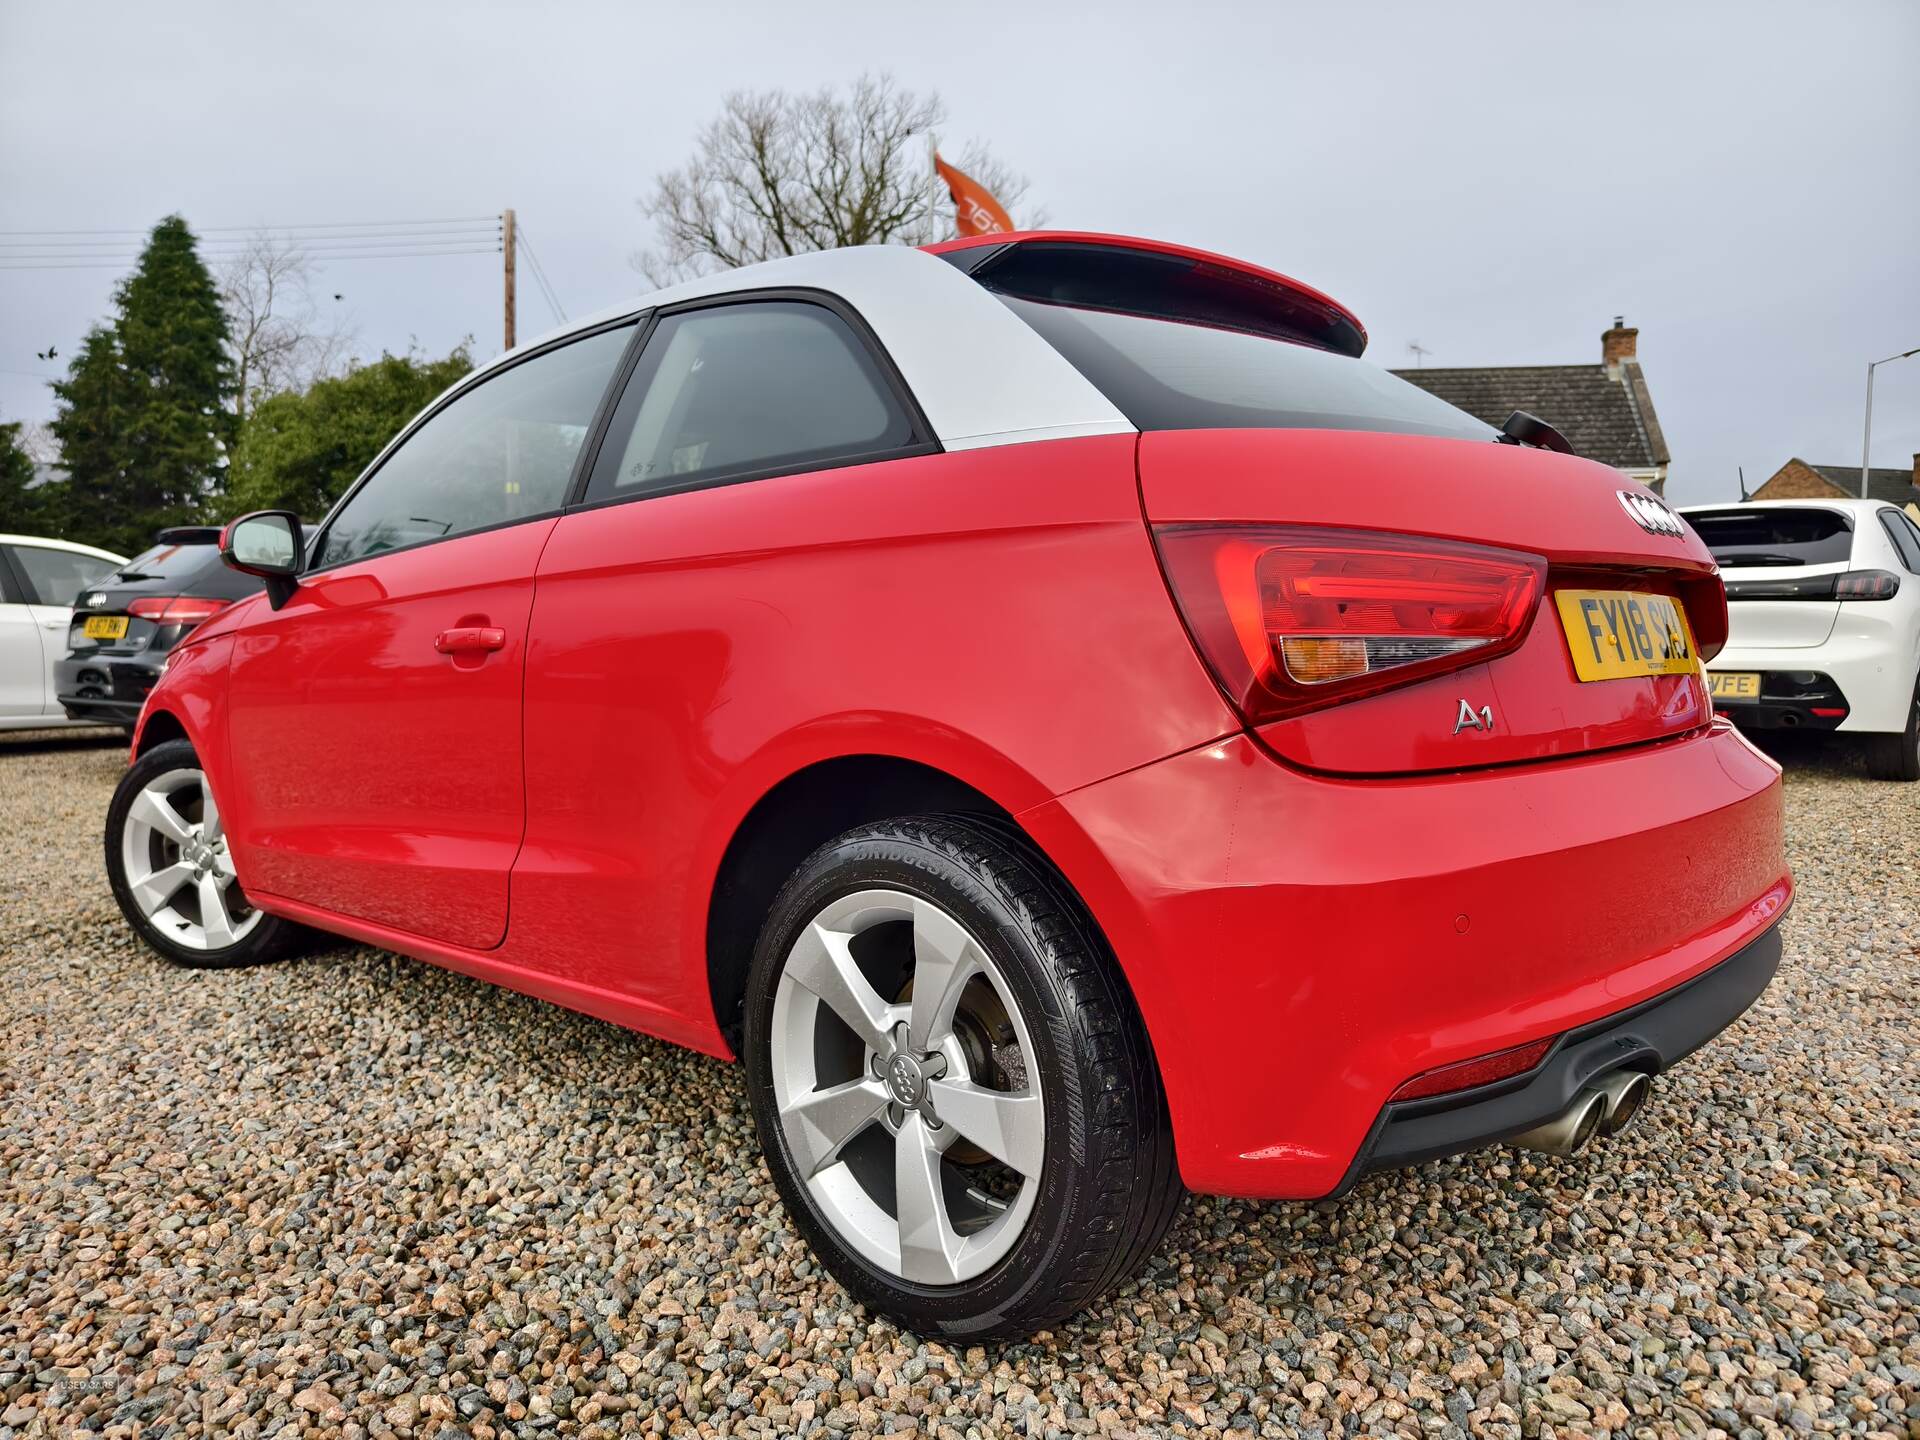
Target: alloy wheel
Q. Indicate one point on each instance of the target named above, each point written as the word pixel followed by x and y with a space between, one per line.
pixel 903 1081
pixel 178 868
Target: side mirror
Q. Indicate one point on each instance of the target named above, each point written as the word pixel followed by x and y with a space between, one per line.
pixel 266 543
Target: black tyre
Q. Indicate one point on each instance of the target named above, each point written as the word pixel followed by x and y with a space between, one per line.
pixel 1897 756
pixel 952 1084
pixel 171 874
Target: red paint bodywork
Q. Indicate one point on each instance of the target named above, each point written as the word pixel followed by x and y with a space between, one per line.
pixel 552 815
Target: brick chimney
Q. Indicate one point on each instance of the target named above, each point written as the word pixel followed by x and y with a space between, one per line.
pixel 1619 343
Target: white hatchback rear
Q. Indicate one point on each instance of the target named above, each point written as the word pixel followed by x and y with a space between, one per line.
pixel 1823 598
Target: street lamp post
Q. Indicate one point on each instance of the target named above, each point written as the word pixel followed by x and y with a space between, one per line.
pixel 1866 443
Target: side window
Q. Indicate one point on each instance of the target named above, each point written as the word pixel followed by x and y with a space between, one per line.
pixel 743 389
pixel 56 577
pixel 1906 538
pixel 500 452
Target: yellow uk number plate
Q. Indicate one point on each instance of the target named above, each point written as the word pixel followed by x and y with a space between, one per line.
pixel 106 627
pixel 1620 634
pixel 1733 685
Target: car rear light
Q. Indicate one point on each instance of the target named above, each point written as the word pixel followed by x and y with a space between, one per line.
pixel 1866 585
pixel 1292 619
pixel 1470 1074
pixel 1854 585
pixel 1704 598
pixel 186 611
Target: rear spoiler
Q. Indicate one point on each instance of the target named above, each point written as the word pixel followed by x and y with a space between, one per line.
pixel 188 535
pixel 1150 278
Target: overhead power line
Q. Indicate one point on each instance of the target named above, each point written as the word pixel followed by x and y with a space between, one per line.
pixel 15 263
pixel 316 225
pixel 322 240
pixel 539 272
pixel 312 242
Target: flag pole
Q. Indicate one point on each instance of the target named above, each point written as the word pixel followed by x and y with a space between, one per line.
pixel 934 198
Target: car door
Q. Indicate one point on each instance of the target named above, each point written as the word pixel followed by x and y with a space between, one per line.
pixel 640 638
pixel 53 579
pixel 23 664
pixel 374 720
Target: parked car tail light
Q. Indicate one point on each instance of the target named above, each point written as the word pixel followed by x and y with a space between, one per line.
pixel 1854 585
pixel 185 611
pixel 1291 620
pixel 1866 585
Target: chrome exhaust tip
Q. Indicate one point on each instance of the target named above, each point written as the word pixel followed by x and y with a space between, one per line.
pixel 1625 1091
pixel 1570 1129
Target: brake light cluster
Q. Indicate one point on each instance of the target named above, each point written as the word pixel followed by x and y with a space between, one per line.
pixel 1853 585
pixel 185 611
pixel 1866 585
pixel 1292 619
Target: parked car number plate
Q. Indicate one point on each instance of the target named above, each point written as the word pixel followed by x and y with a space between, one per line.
pixel 1620 634
pixel 105 627
pixel 1731 685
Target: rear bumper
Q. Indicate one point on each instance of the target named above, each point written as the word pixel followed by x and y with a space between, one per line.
pixel 104 688
pixel 1863 660
pixel 1650 1037
pixel 1301 946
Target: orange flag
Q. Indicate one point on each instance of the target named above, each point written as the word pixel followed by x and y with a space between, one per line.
pixel 975 211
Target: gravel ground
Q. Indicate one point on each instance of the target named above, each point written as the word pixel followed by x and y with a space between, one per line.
pixel 354 1195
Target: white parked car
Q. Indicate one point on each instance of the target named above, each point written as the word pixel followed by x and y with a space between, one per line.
pixel 39 580
pixel 1824 602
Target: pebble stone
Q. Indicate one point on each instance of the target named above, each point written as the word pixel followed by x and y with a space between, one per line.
pixel 352 1195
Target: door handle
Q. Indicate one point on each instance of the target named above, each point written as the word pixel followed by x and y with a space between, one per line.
pixel 470 639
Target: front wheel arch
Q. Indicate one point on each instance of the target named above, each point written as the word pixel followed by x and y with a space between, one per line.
pixel 158 728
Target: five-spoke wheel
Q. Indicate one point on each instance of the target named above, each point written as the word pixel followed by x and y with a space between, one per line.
pixel 172 870
pixel 899 1069
pixel 178 870
pixel 951 1082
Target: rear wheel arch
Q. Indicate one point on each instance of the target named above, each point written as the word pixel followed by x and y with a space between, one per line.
pixel 801 813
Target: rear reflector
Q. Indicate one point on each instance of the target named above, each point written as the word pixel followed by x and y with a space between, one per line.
pixel 188 610
pixel 1292 620
pixel 1469 1074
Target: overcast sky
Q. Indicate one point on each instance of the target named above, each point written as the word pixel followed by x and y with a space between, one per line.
pixel 1493 181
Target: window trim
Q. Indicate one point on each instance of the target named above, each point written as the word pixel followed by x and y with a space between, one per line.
pixel 638 321
pixel 1892 519
pixel 23 581
pixel 921 442
pixel 13 584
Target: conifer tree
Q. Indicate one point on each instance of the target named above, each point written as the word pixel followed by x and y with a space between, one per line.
pixel 22 508
pixel 146 412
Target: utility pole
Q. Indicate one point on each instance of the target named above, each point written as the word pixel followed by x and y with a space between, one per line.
pixel 1866 445
pixel 506 245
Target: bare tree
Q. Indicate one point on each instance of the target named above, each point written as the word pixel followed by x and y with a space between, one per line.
pixel 278 339
pixel 780 174
pixel 38 440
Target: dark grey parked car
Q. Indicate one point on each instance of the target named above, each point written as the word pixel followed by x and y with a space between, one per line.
pixel 125 623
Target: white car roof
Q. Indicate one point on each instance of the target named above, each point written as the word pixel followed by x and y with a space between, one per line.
pixel 981 374
pixel 50 543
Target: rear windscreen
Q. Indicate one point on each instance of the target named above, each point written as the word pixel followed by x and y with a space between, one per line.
pixel 1169 375
pixel 169 562
pixel 1775 537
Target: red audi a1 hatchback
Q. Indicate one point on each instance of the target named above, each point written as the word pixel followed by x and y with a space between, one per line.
pixel 1074 729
